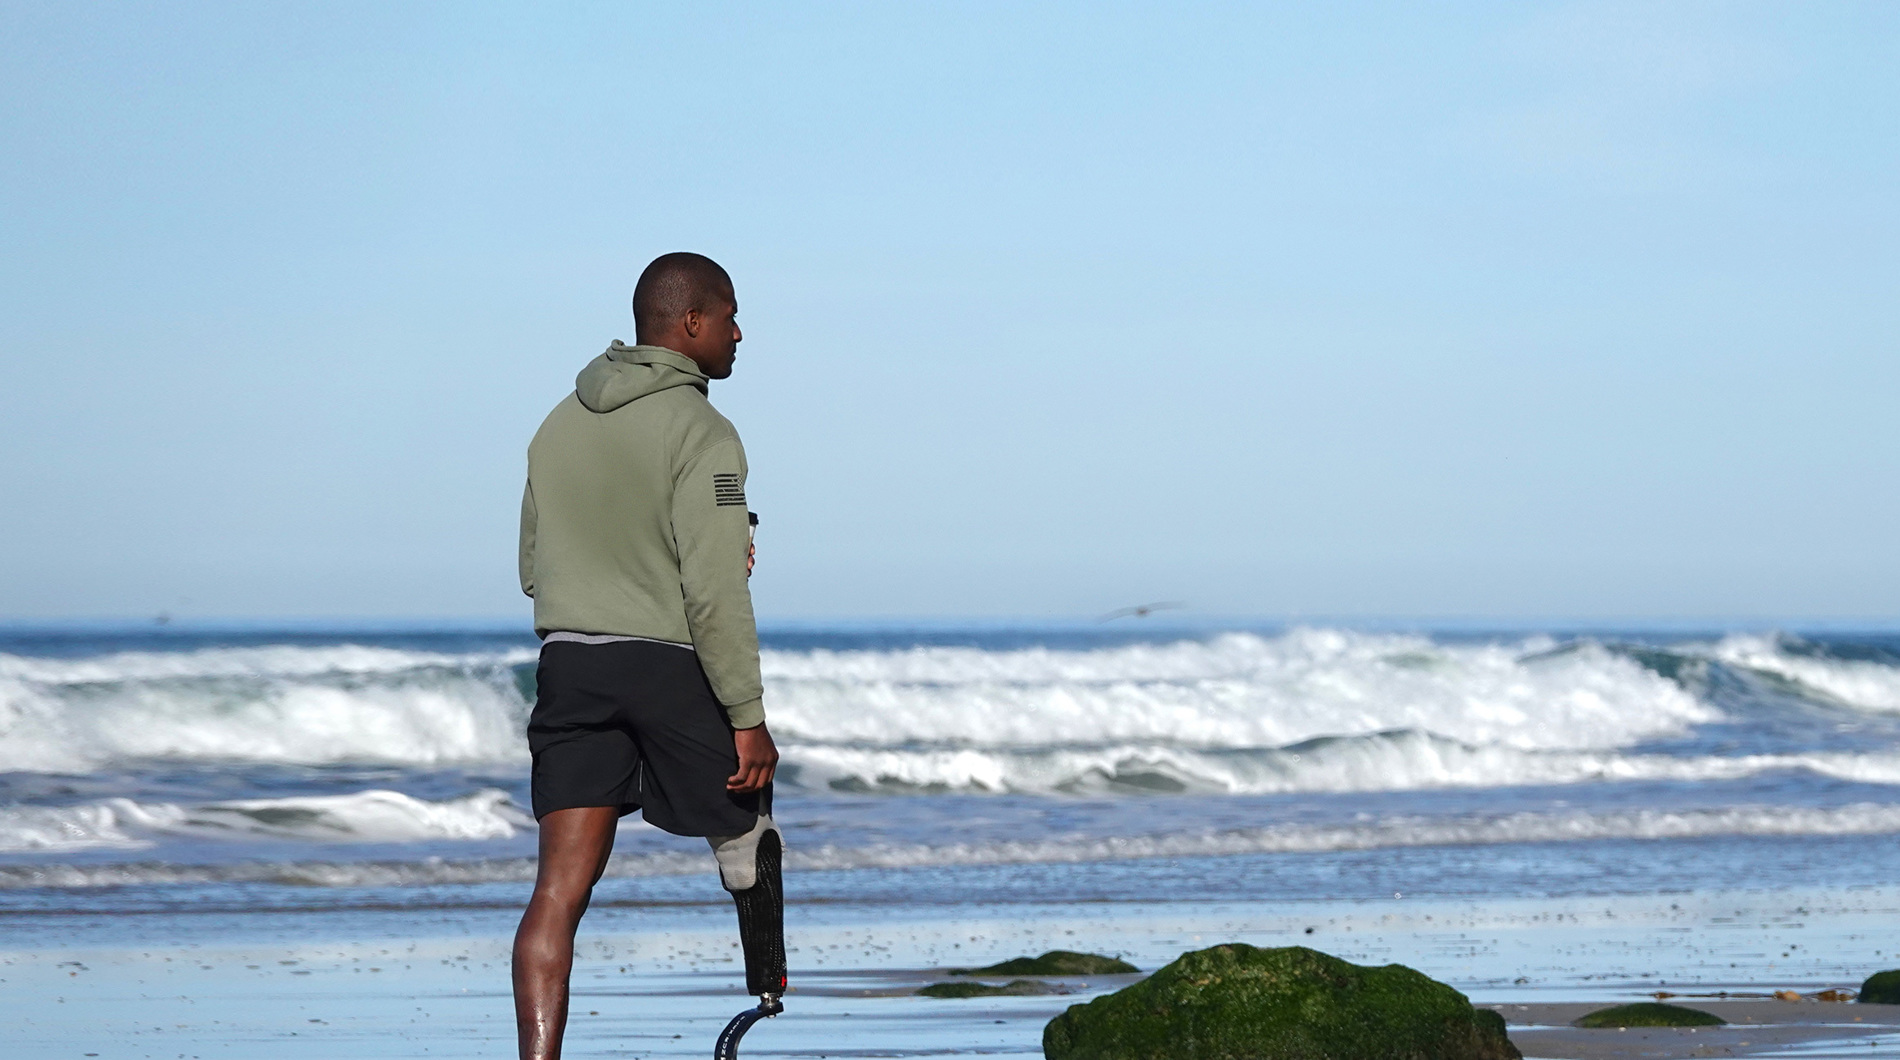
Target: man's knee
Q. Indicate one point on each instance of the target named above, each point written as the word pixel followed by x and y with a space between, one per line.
pixel 562 897
pixel 738 855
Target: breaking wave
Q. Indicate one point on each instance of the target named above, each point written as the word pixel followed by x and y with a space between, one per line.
pixel 1393 761
pixel 346 704
pixel 373 816
pixel 1308 710
pixel 1858 683
pixel 1384 762
pixel 1236 690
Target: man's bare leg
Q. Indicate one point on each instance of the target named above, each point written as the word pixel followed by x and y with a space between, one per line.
pixel 574 848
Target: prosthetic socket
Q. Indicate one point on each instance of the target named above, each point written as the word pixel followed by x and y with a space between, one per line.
pixel 749 869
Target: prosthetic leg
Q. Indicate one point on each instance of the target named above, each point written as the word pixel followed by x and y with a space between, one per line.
pixel 749 869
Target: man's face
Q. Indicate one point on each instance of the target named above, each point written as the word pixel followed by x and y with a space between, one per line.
pixel 716 345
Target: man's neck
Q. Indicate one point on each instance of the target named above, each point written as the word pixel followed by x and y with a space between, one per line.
pixel 678 343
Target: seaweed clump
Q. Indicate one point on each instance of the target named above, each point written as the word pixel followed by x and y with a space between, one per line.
pixel 1650 1014
pixel 1055 962
pixel 1014 987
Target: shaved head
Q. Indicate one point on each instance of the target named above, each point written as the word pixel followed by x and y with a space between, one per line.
pixel 672 286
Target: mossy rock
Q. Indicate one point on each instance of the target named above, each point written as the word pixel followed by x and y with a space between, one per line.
pixel 1013 988
pixel 1882 988
pixel 1238 1002
pixel 1055 962
pixel 1650 1014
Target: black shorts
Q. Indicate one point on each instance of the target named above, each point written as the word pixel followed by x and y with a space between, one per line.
pixel 634 725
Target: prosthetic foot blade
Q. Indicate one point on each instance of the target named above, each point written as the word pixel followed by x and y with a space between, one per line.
pixel 727 1047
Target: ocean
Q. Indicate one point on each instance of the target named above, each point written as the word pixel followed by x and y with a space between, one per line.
pixel 253 770
pixel 314 844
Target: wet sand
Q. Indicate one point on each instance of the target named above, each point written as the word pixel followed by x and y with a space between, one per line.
pixel 1755 1028
pixel 652 982
pixel 440 998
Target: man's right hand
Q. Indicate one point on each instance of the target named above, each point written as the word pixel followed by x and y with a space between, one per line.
pixel 758 760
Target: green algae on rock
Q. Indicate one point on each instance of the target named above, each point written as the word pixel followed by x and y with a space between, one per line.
pixel 1013 988
pixel 1882 988
pixel 1055 962
pixel 1650 1014
pixel 1239 1002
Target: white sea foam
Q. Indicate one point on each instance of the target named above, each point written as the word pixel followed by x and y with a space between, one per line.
pixel 1232 691
pixel 373 816
pixel 1382 833
pixel 55 828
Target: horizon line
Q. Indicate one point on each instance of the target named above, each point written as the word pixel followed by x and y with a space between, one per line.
pixel 1174 621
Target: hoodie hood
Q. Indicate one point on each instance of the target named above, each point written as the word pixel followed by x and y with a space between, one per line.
pixel 625 374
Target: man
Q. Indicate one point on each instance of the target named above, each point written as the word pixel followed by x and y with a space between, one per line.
pixel 635 545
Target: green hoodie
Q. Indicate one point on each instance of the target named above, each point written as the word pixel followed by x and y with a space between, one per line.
pixel 634 520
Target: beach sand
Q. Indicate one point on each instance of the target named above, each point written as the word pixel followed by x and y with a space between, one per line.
pixel 660 982
pixel 1756 1028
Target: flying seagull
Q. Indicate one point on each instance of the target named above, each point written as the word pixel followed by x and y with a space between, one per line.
pixel 1141 610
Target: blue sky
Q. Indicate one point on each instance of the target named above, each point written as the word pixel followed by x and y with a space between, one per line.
pixel 1449 311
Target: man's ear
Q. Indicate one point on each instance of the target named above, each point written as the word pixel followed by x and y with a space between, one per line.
pixel 691 323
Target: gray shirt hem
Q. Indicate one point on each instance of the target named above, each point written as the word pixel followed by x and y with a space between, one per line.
pixel 605 638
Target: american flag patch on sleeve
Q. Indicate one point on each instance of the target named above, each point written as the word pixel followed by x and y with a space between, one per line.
pixel 727 491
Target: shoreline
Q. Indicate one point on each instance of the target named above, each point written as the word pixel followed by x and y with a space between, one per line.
pixel 445 999
pixel 1756 1028
pixel 660 982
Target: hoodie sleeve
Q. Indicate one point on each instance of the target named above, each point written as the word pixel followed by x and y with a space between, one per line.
pixel 710 530
pixel 528 519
